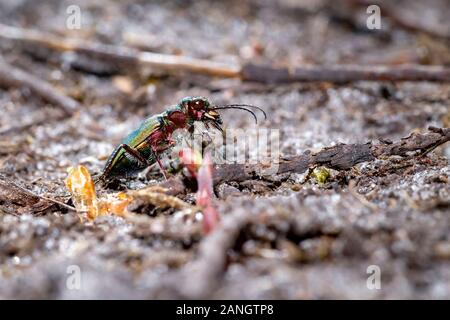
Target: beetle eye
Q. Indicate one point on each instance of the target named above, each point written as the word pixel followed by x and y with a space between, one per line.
pixel 197 105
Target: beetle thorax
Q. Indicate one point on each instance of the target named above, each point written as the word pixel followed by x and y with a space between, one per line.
pixel 178 119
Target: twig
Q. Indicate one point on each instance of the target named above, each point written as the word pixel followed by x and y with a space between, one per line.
pixel 60 203
pixel 345 73
pixel 342 156
pixel 248 72
pixel 339 157
pixel 13 77
pixel 121 54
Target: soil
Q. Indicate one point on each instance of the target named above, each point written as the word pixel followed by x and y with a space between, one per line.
pixel 300 239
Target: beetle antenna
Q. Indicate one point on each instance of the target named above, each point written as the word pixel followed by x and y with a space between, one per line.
pixel 237 107
pixel 248 106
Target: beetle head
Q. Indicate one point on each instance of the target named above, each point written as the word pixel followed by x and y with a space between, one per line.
pixel 199 109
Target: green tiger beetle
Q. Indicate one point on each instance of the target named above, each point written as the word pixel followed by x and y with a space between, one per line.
pixel 142 147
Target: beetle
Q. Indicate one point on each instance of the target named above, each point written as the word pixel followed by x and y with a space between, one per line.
pixel 142 147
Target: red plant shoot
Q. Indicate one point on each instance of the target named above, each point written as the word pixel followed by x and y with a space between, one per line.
pixel 202 170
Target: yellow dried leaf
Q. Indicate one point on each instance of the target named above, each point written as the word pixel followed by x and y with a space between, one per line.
pixel 80 184
pixel 115 204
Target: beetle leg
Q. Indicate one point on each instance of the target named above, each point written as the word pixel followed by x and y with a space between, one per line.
pixel 163 147
pixel 161 167
pixel 169 142
pixel 156 151
pixel 134 153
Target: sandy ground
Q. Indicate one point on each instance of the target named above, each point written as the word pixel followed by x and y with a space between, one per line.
pixel 306 240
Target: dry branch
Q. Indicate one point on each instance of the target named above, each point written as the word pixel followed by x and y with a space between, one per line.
pixel 345 73
pixel 339 157
pixel 249 72
pixel 117 54
pixel 14 77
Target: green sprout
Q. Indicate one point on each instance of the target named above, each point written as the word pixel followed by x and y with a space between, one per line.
pixel 321 174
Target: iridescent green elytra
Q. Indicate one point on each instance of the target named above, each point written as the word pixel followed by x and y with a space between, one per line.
pixel 121 162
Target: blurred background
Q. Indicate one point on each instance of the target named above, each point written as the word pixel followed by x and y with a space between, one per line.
pixel 310 240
